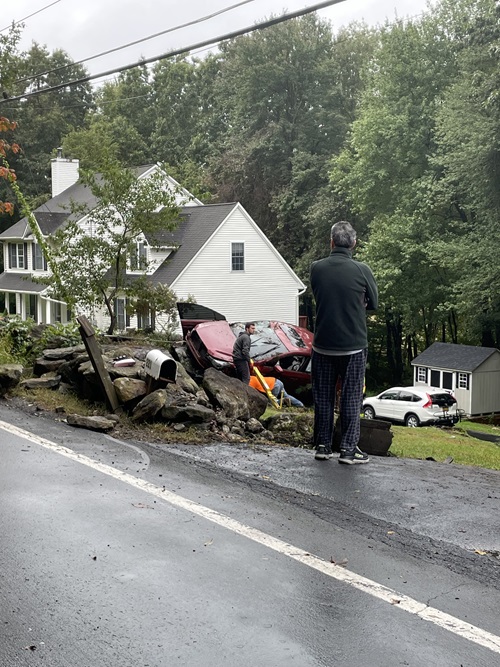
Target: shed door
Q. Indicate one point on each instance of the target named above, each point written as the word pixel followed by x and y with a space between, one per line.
pixel 435 378
pixel 447 380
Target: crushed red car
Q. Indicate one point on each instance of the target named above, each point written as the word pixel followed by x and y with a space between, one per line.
pixel 278 349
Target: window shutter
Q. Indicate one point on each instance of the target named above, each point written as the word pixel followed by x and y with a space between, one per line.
pixel 25 253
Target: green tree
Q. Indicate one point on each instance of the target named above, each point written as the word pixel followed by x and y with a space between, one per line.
pixel 468 156
pixel 285 117
pixel 43 120
pixel 92 258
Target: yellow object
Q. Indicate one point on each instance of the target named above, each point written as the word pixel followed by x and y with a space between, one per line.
pixel 267 391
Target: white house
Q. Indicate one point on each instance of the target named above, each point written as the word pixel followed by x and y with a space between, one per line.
pixel 472 373
pixel 218 255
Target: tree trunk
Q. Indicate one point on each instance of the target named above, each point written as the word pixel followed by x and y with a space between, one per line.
pixel 394 346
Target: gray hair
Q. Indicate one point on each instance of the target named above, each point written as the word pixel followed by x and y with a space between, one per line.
pixel 343 234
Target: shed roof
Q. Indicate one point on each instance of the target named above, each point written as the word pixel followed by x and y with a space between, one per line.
pixel 454 357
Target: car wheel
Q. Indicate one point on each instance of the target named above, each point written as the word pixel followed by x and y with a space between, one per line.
pixel 412 421
pixel 369 412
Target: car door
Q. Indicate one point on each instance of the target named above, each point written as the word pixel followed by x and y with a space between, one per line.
pixel 403 405
pixel 294 370
pixel 386 403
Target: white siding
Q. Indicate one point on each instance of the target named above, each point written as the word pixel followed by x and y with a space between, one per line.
pixel 485 393
pixel 266 289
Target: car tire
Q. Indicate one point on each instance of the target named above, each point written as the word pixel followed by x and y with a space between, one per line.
pixel 412 421
pixel 368 412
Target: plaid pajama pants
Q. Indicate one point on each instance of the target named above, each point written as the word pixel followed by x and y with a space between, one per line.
pixel 326 370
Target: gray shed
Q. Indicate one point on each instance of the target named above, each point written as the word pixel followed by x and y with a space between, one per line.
pixel 472 373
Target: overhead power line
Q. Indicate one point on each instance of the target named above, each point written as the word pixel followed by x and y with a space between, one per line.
pixel 170 54
pixel 138 41
pixel 30 15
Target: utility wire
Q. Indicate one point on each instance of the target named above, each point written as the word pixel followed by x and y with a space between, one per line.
pixel 136 97
pixel 30 15
pixel 138 41
pixel 170 54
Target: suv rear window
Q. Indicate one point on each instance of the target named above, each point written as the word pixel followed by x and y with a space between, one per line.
pixel 443 400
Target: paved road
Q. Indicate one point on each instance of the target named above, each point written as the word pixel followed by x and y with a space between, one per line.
pixel 115 555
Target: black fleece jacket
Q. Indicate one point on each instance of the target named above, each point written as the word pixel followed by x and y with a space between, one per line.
pixel 344 289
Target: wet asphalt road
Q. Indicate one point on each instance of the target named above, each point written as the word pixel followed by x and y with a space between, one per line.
pixel 100 571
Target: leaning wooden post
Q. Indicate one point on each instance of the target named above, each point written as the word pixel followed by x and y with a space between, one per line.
pixel 88 336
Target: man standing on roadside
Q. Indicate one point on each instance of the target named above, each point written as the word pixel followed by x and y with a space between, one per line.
pixel 241 353
pixel 343 290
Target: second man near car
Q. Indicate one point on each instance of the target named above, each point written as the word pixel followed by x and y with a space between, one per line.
pixel 241 353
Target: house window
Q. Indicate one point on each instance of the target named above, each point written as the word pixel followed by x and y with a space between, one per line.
pixel 237 256
pixel 31 305
pixel 18 256
pixel 144 318
pixel 121 314
pixel 463 380
pixel 421 374
pixel 139 257
pixel 39 261
pixel 12 303
pixel 55 311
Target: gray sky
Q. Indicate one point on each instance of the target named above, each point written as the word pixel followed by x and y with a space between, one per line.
pixel 84 29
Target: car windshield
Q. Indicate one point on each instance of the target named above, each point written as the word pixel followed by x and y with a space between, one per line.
pixel 265 341
pixel 293 335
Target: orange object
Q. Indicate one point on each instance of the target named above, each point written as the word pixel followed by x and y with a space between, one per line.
pixel 256 384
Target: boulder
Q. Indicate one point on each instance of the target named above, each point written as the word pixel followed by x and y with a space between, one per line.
pixel 47 381
pixel 236 399
pixel 129 389
pixel 192 413
pixel 10 376
pixel 43 365
pixel 185 381
pixel 94 423
pixel 63 353
pixel 150 405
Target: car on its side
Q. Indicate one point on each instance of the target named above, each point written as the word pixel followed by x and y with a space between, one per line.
pixel 413 406
pixel 278 349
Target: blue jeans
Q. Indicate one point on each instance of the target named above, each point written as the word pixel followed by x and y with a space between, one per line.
pixel 279 387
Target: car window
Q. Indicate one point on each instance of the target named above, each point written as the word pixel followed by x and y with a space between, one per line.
pixel 293 362
pixel 406 396
pixel 443 400
pixel 389 396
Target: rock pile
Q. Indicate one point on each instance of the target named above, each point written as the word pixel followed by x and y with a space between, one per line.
pixel 219 404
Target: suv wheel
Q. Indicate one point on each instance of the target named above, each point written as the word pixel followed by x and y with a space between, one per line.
pixel 369 412
pixel 412 420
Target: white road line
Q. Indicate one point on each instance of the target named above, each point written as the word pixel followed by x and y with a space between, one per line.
pixel 412 606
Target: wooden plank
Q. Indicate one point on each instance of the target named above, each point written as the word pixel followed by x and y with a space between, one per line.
pixel 88 336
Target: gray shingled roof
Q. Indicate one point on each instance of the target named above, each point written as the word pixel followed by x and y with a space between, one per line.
pixel 14 282
pixel 454 357
pixel 197 225
pixel 51 215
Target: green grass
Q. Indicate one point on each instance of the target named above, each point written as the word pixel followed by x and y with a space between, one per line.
pixel 438 443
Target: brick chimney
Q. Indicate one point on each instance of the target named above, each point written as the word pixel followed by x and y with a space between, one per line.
pixel 64 173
